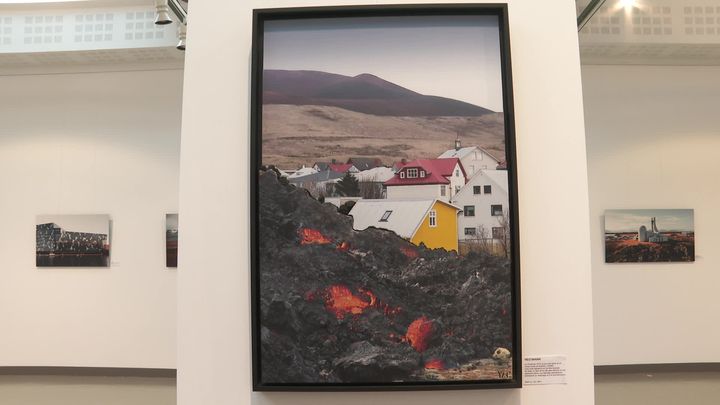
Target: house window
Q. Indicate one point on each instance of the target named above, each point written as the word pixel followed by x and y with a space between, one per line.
pixel 496 210
pixel 402 175
pixel 469 210
pixel 412 173
pixel 457 172
pixel 488 189
pixel 498 232
pixel 433 219
pixel 470 231
pixel 442 191
pixel 422 173
pixel 457 188
pixel 476 189
pixel 385 216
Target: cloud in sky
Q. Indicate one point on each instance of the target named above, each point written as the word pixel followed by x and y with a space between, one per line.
pixel 666 219
pixel 449 56
pixel 79 223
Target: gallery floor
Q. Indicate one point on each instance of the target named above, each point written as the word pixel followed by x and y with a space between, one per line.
pixel 610 389
pixel 84 390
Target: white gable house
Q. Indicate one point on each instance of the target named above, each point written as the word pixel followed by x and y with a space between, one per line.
pixel 427 178
pixel 472 158
pixel 483 201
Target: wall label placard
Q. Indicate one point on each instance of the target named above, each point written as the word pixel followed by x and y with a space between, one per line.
pixel 544 370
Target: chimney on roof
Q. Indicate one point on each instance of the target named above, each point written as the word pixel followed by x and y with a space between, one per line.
pixel 457 142
pixel 334 161
pixel 403 160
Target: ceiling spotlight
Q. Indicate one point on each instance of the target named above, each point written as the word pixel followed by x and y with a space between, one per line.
pixel 182 35
pixel 627 3
pixel 162 13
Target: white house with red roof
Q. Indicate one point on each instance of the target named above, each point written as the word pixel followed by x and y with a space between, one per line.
pixel 343 168
pixel 427 178
pixel 335 167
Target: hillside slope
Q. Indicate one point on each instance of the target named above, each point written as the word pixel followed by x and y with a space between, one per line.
pixel 363 93
pixel 294 135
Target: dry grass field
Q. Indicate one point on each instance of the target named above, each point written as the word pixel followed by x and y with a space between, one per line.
pixel 294 135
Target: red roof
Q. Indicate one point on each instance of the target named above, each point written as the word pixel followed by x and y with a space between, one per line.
pixel 436 172
pixel 340 167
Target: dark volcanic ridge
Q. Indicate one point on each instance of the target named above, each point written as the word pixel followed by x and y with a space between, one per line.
pixel 363 93
pixel 338 305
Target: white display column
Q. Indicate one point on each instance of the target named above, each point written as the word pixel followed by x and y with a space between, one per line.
pixel 214 355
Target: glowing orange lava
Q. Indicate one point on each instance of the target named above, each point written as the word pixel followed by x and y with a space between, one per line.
pixel 409 252
pixel 341 301
pixel 312 237
pixel 343 247
pixel 435 364
pixel 419 333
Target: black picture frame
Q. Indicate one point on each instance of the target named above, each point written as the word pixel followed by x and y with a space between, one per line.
pixel 257 167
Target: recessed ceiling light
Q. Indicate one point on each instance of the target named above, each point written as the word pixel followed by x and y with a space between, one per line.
pixel 628 3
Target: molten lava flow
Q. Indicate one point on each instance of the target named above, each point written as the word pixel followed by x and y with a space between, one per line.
pixel 341 301
pixel 373 298
pixel 312 237
pixel 419 333
pixel 409 252
pixel 390 311
pixel 435 364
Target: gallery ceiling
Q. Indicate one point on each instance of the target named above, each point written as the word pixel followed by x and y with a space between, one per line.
pixel 84 35
pixel 66 35
pixel 654 32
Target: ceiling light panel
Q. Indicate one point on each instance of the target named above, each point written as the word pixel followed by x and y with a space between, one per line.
pixel 81 29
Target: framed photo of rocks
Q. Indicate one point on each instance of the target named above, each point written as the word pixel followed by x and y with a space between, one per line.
pixel 384 199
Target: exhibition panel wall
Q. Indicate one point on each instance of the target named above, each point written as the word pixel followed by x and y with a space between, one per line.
pixel 652 135
pixel 214 362
pixel 100 143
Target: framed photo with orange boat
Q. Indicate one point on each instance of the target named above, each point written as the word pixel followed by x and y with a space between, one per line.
pixel 385 248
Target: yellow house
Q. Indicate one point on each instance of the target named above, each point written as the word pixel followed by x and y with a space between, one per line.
pixel 430 221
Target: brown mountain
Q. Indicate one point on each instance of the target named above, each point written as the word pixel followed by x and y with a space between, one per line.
pixel 363 93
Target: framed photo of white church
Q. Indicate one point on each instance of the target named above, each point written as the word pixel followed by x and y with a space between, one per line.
pixel 649 235
pixel 385 248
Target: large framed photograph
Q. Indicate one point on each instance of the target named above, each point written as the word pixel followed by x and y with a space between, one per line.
pixel 384 199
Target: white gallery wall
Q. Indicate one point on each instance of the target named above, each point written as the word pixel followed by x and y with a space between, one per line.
pixel 93 143
pixel 214 357
pixel 653 136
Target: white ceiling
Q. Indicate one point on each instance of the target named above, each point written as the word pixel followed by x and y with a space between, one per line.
pixel 85 35
pixel 662 32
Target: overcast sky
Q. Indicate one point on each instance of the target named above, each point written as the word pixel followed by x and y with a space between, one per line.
pixel 450 56
pixel 171 221
pixel 79 223
pixel 632 220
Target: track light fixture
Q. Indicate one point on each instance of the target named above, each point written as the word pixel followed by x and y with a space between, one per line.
pixel 162 13
pixel 182 35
